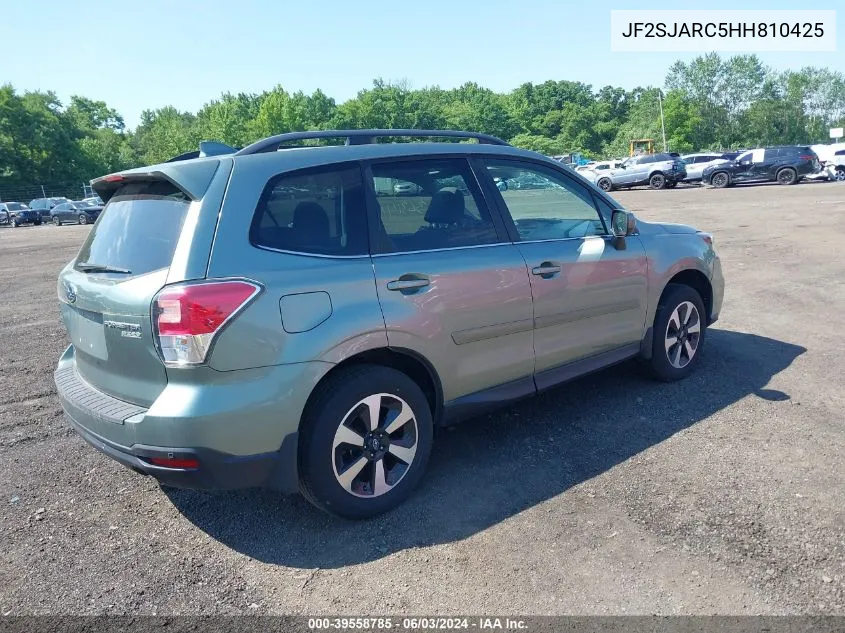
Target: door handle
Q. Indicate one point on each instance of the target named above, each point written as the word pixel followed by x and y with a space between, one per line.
pixel 546 269
pixel 408 282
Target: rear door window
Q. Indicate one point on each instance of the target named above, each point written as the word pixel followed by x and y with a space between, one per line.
pixel 138 229
pixel 315 211
pixel 434 204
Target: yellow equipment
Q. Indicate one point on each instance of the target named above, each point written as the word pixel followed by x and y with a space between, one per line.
pixel 642 146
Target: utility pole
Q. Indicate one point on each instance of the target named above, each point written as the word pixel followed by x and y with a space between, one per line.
pixel 662 122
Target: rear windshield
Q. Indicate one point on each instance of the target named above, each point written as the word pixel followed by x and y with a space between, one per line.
pixel 138 229
pixel 15 206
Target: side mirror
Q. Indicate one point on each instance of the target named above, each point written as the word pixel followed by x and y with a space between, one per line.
pixel 619 223
pixel 622 224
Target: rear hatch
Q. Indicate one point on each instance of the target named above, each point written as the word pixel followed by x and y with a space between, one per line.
pixel 107 291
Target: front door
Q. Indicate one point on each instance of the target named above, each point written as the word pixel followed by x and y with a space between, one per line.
pixel 452 288
pixel 589 297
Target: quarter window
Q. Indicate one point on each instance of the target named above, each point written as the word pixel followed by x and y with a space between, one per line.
pixel 552 207
pixel 427 205
pixel 318 211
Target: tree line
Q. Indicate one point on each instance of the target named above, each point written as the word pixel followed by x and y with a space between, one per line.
pixel 711 102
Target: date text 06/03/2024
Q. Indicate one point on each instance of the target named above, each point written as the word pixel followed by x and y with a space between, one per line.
pixel 418 623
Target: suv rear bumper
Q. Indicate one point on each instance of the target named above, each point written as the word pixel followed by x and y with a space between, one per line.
pixel 240 426
pixel 216 471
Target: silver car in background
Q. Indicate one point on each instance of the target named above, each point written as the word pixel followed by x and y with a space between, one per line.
pixel 697 163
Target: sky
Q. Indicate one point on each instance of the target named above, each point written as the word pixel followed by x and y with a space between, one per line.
pixel 151 53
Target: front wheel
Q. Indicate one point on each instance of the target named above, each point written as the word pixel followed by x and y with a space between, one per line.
pixel 364 443
pixel 678 333
pixel 657 181
pixel 839 174
pixel 57 220
pixel 720 180
pixel 604 184
pixel 83 219
pixel 787 176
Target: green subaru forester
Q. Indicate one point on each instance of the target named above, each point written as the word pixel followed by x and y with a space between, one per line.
pixel 302 317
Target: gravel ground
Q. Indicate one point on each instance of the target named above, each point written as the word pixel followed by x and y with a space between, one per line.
pixel 611 495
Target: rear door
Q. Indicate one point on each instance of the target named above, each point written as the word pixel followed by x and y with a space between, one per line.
pixel 451 286
pixel 106 292
pixel 589 297
pixel 765 163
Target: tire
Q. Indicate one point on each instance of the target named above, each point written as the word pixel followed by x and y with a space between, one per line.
pixel 720 180
pixel 669 363
pixel 83 219
pixel 657 181
pixel 605 184
pixel 839 174
pixel 15 224
pixel 337 412
pixel 787 176
pixel 37 223
pixel 57 220
pixel 671 184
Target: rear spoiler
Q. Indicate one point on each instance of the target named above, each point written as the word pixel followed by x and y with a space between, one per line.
pixel 192 177
pixel 207 148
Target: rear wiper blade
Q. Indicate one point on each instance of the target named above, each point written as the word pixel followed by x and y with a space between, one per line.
pixel 88 267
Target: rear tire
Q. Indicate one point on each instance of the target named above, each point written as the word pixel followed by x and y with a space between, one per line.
pixel 57 220
pixel 83 219
pixel 671 184
pixel 787 176
pixel 678 333
pixel 839 174
pixel 657 181
pixel 349 466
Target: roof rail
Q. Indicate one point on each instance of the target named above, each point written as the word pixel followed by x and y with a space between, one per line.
pixel 207 148
pixel 360 137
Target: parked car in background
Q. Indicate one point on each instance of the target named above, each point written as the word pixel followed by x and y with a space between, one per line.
pixel 44 205
pixel 8 211
pixel 658 171
pixel 604 165
pixel 836 166
pixel 697 163
pixel 26 216
pixel 315 344
pixel 785 164
pixel 94 199
pixel 405 189
pixel 81 212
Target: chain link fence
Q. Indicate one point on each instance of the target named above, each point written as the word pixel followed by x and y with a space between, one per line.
pixel 72 190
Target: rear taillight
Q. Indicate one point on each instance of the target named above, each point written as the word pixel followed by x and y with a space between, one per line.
pixel 187 317
pixel 807 157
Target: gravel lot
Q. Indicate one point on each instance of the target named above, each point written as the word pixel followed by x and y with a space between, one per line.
pixel 611 495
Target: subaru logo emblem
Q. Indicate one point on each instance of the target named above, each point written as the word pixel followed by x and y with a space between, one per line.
pixel 70 292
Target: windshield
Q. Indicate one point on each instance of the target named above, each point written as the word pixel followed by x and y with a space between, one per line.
pixel 138 229
pixel 15 206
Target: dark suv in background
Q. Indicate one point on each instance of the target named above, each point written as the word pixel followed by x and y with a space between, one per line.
pixel 786 165
pixel 44 205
